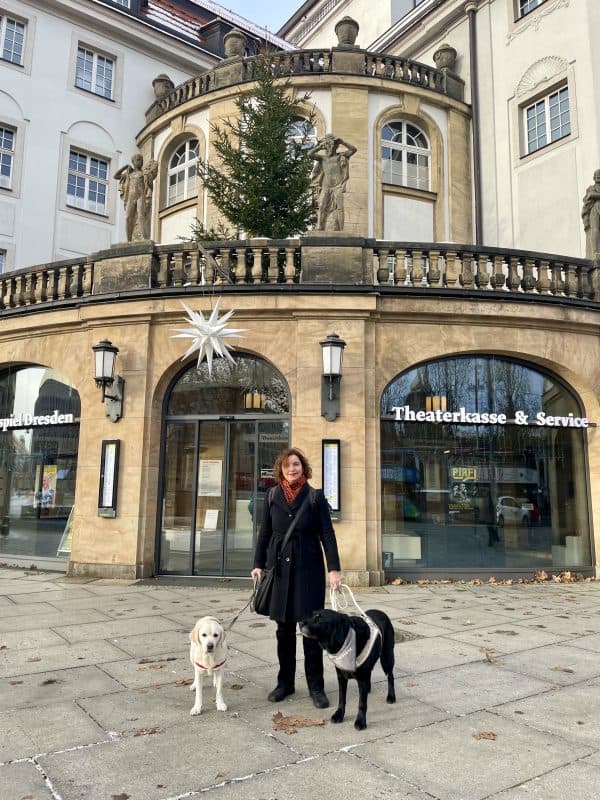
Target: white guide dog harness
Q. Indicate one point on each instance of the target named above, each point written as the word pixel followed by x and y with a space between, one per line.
pixel 346 657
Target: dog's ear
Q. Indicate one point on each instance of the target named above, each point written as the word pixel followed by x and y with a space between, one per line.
pixel 222 637
pixel 193 635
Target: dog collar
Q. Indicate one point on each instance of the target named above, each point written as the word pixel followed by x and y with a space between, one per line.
pixel 217 666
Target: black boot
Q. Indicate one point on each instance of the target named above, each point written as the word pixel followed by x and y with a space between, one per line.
pixel 286 655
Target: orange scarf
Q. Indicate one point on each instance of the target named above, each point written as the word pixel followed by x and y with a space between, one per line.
pixel 291 490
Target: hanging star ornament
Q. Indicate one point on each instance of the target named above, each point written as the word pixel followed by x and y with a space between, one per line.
pixel 208 335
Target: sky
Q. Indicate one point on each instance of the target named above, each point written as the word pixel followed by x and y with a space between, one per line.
pixel 266 13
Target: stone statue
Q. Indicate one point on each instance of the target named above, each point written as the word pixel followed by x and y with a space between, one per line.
pixel 135 187
pixel 330 176
pixel 590 214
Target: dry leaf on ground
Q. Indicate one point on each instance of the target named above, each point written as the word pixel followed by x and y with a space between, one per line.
pixel 183 681
pixel 484 735
pixel 291 724
pixel 562 669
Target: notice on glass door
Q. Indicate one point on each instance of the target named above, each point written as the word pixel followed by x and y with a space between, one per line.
pixel 209 477
pixel 211 519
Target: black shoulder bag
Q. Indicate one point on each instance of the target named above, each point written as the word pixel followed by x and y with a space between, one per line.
pixel 263 590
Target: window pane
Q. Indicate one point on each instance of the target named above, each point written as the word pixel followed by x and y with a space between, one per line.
pixel 405 156
pixel 13 41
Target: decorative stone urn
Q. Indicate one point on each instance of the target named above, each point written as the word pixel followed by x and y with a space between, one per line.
pixel 445 57
pixel 347 30
pixel 162 85
pixel 235 44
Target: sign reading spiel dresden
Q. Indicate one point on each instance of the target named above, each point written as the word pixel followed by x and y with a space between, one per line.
pixel 34 420
pixel 464 417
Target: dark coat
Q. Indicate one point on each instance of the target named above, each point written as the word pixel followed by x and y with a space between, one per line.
pixel 299 584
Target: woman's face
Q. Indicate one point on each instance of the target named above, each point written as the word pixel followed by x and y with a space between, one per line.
pixel 292 469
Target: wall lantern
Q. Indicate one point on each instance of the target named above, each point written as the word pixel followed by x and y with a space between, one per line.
pixel 105 354
pixel 333 355
pixel 253 400
pixel 436 402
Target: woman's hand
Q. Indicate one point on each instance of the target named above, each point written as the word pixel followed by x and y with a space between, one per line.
pixel 335 579
pixel 256 574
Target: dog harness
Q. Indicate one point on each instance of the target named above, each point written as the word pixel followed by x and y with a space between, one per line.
pixel 346 658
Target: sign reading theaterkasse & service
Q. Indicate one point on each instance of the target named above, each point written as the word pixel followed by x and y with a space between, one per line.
pixel 464 417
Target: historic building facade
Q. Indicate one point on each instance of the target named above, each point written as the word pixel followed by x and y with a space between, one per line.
pixel 465 438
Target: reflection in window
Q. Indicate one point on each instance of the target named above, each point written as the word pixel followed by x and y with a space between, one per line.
pixel 482 496
pixel 405 154
pixel 94 72
pixel 547 120
pixel 12 39
pixel 302 133
pixel 87 182
pixel 228 389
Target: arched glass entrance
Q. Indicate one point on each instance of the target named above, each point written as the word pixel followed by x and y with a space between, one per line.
pixel 483 466
pixel 39 439
pixel 221 436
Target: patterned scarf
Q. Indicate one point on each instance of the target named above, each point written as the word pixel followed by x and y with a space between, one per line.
pixel 291 490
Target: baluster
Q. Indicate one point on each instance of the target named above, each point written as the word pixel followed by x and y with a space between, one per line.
pixel 594 278
pixel 451 269
pixel 570 280
pixel 556 284
pixel 30 288
pixel 52 284
pixel 273 270
pixel 290 267
pixel 466 275
pixel 514 281
pixel 178 274
pixel 528 283
pixel 240 265
pixel 400 268
pixel 434 275
pixel 2 290
pixel 87 280
pixel 482 279
pixel 195 273
pixel 383 271
pixel 39 293
pixel 584 290
pixel 61 284
pixel 498 278
pixel 543 281
pixel 162 277
pixel 256 271
pixel 225 264
pixel 416 275
pixel 4 293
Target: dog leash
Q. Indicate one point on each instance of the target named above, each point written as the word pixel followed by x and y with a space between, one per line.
pixel 341 603
pixel 240 612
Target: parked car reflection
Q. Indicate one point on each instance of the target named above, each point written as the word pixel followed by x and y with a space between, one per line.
pixel 516 511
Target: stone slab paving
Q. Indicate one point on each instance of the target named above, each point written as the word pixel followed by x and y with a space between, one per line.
pixel 95 697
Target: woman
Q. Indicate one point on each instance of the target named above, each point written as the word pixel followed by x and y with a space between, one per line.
pixel 299 582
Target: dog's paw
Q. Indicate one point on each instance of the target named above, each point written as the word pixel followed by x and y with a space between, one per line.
pixel 360 723
pixel 221 705
pixel 338 716
pixel 196 710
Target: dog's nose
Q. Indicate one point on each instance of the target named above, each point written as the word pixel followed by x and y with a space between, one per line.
pixel 210 646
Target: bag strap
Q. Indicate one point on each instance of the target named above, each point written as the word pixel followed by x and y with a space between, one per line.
pixel 290 530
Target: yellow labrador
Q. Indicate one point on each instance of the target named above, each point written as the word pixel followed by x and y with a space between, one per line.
pixel 208 654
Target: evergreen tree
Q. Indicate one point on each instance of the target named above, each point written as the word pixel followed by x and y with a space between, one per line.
pixel 261 179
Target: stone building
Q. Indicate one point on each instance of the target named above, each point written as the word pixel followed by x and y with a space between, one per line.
pixel 461 436
pixel 68 123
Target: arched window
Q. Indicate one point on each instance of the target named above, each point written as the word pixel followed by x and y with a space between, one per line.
pixel 406 155
pixel 302 132
pixel 182 176
pixel 482 468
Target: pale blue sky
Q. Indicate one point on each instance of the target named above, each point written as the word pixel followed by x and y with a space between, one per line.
pixel 266 13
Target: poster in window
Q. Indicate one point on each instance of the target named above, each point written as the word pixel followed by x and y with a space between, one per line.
pixel 209 477
pixel 48 496
pixel 331 474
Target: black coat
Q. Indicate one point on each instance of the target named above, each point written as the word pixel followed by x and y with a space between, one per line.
pixel 299 584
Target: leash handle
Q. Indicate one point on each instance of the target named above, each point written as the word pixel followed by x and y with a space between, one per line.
pixel 341 603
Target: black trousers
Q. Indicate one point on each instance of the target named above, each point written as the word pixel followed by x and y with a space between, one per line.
pixel 286 653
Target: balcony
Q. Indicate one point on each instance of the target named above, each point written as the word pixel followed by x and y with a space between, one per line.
pixel 270 266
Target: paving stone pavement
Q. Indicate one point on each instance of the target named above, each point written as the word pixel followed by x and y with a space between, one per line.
pixel 498 697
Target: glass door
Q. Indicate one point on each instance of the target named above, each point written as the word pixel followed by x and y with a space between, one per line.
pixel 210 517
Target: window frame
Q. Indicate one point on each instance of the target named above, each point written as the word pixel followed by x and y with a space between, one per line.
pixel 6 153
pixel 18 129
pixel 545 100
pixel 96 80
pixel 520 14
pixel 3 260
pixel 81 39
pixel 9 10
pixel 88 178
pixel 182 167
pixel 404 149
pixel 16 20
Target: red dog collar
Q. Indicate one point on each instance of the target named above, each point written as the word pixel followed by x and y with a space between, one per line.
pixel 217 666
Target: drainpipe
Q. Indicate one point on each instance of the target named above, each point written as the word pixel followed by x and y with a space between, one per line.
pixel 471 9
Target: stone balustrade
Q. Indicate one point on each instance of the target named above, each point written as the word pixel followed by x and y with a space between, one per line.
pixel 390 267
pixel 330 61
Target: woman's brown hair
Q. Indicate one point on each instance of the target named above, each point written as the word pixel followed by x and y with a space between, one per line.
pixel 283 457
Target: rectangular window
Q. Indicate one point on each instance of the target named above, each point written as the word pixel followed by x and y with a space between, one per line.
pixel 87 182
pixel 94 72
pixel 525 6
pixel 7 156
pixel 12 40
pixel 2 261
pixel 124 3
pixel 547 120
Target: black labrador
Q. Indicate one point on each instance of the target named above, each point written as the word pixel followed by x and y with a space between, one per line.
pixel 330 629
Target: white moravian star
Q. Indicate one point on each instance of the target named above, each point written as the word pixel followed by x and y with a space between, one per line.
pixel 208 335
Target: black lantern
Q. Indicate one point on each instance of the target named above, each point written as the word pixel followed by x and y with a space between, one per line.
pixel 333 356
pixel 254 400
pixel 105 355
